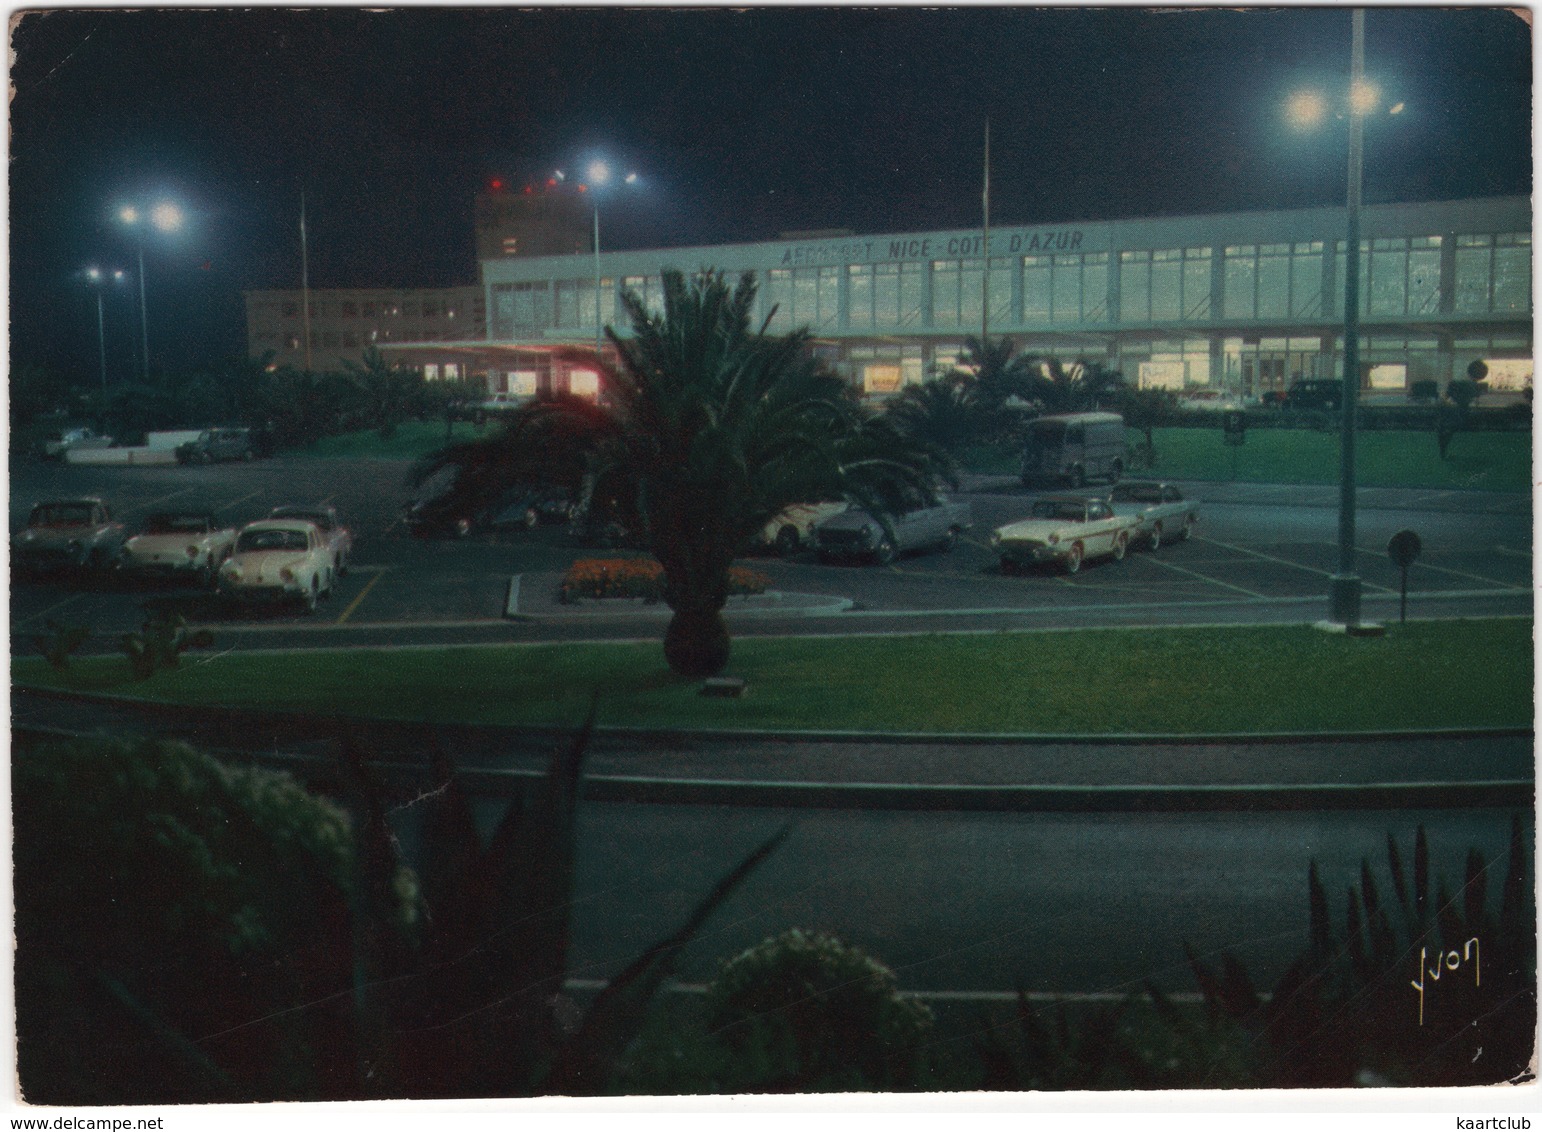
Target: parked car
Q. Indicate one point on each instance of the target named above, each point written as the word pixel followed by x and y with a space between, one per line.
pixel 338 538
pixel 857 533
pixel 67 534
pixel 57 445
pixel 276 561
pixel 1074 448
pixel 215 444
pixel 182 545
pixel 793 528
pixel 1159 509
pixel 1316 394
pixel 522 508
pixel 1065 529
pixel 1210 401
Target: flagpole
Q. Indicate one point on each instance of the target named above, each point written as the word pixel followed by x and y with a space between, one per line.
pixel 305 286
pixel 985 246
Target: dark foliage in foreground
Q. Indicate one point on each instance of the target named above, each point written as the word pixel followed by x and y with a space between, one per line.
pixel 191 932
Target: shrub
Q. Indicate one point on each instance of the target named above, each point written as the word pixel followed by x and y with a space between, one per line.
pixel 594 578
pixel 161 898
pixel 805 1011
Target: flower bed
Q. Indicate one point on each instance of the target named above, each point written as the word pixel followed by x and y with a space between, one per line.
pixel 595 578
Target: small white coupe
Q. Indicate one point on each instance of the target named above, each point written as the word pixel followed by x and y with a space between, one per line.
pixel 278 560
pixel 188 545
pixel 339 539
pixel 1066 529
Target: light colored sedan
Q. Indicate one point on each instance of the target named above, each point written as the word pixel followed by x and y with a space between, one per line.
pixel 339 539
pixel 278 560
pixel 1067 529
pixel 1159 509
pixel 187 545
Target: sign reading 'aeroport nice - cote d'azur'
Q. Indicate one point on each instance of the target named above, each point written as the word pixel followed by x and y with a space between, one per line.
pixel 1026 242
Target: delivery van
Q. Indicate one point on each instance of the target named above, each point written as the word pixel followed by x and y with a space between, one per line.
pixel 1074 448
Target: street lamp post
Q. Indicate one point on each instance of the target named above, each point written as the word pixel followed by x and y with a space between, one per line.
pixel 97 278
pixel 167 218
pixel 596 177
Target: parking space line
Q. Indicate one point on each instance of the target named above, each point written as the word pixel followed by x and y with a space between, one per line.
pixel 1453 573
pixel 162 499
pixel 1286 562
pixel 1202 577
pixel 354 604
pixel 51 609
pixel 243 499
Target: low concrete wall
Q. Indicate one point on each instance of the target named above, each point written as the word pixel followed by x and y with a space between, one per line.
pixel 134 456
pixel 168 441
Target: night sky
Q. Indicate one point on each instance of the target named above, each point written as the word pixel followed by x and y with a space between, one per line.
pixel 742 125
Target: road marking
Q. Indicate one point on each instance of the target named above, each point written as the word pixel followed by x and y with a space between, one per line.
pixel 362 594
pixel 162 499
pixel 1048 997
pixel 1453 573
pixel 51 609
pixel 1287 562
pixel 243 499
pixel 1202 577
pixel 1512 552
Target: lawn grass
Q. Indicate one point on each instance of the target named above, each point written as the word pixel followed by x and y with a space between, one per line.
pixel 1490 461
pixel 1180 681
pixel 412 440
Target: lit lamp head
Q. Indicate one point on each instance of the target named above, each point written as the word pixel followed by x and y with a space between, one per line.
pixel 1306 109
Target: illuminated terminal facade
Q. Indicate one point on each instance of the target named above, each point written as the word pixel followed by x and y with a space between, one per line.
pixel 1246 302
pixel 1243 302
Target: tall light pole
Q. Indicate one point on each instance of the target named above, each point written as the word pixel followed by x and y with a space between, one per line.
pixel 1344 585
pixel 97 278
pixel 164 217
pixel 596 176
pixel 1305 111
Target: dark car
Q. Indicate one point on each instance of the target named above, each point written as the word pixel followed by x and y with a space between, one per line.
pixel 520 508
pixel 215 444
pixel 1327 395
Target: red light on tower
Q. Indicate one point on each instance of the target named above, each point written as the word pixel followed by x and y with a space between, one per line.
pixel 496 184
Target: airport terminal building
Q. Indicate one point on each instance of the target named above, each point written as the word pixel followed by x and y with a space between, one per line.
pixel 1244 302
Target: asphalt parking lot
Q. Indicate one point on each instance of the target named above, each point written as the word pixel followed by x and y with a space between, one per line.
pixel 1254 545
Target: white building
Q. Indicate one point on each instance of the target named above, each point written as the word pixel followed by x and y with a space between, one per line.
pixel 1249 302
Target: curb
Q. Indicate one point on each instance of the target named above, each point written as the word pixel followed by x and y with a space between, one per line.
pixel 884 796
pixel 772 603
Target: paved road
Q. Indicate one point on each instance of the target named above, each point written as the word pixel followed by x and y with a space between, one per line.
pixel 972 902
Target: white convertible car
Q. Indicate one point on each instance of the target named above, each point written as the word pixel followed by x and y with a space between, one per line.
pixel 1066 529
pixel 186 545
pixel 278 560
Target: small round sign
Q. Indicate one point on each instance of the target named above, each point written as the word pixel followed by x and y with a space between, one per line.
pixel 1404 548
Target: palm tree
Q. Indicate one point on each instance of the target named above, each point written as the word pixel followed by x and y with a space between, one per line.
pixel 999 373
pixel 707 430
pixel 1072 389
pixel 387 392
pixel 940 411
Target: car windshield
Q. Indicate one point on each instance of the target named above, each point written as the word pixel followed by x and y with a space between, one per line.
pixel 252 541
pixel 178 524
pixel 1048 432
pixel 60 515
pixel 1054 509
pixel 1137 493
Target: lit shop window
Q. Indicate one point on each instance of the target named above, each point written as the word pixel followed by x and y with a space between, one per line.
pixel 584 383
pixel 881 378
pixel 522 382
pixel 430 372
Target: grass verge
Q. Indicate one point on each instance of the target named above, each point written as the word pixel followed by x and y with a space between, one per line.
pixel 1180 681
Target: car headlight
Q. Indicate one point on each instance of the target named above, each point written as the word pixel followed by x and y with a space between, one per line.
pixel 192 552
pixel 231 572
pixel 867 536
pixel 1053 539
pixel 286 575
